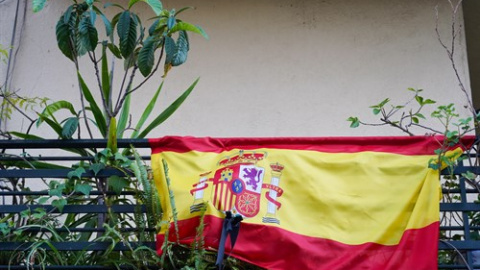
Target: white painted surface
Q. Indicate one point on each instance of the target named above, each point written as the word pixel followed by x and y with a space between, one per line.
pixel 271 67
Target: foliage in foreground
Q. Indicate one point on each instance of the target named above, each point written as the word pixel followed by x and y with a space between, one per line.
pixel 142 50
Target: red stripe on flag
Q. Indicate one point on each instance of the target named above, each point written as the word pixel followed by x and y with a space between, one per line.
pixel 277 249
pixel 413 145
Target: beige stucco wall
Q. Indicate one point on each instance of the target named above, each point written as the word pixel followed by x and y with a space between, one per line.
pixel 271 67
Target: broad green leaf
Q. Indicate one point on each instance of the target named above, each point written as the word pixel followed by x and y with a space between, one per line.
pixel 97 167
pixel 170 49
pixel 146 112
pixel 87 36
pixel 167 112
pixel 146 56
pixel 415 119
pixel 97 113
pixel 65 36
pixel 127 32
pixel 83 188
pixel 176 52
pixel 117 183
pixel 376 111
pixel 54 107
pixel 70 127
pixel 38 5
pixel 183 47
pixel 183 26
pixel 156 6
pixel 124 115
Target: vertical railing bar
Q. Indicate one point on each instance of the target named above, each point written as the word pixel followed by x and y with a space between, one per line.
pixel 466 221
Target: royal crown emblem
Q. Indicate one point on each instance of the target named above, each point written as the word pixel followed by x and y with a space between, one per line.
pixel 237 185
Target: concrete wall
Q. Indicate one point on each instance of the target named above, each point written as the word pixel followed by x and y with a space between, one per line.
pixel 271 67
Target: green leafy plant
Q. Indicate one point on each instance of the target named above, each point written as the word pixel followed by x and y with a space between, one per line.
pixel 418 115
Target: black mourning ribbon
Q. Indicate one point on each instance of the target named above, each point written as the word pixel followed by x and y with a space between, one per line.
pixel 231 226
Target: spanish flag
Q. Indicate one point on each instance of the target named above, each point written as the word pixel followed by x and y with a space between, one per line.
pixel 306 203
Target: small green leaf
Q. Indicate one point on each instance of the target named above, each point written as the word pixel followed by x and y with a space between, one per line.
pixel 117 183
pixel 119 157
pixel 77 173
pixel 38 5
pixel 355 122
pixel 39 212
pixel 57 190
pixel 43 200
pixel 376 111
pixel 97 167
pixel 420 115
pixel 183 26
pixel 419 99
pixel 25 213
pixel 469 175
pixel 415 119
pixel 83 188
pixel 59 203
pixel 429 101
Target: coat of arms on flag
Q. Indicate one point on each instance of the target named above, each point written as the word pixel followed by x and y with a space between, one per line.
pixel 236 185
